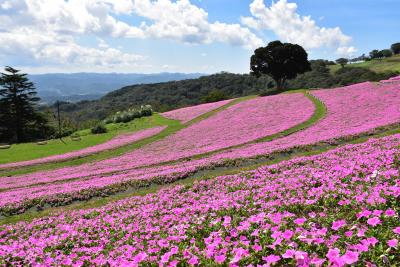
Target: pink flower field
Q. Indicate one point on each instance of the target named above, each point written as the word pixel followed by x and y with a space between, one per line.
pixel 339 208
pixel 185 115
pixel 114 143
pixel 350 111
pixel 241 123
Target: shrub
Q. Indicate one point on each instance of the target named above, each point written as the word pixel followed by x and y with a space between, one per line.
pixel 214 96
pixel 146 111
pixel 395 48
pixel 130 114
pixel 99 129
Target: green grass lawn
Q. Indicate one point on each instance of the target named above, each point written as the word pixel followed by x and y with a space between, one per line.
pixel 28 151
pixel 377 65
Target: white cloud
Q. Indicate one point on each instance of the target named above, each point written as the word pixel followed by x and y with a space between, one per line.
pixel 44 31
pixel 346 51
pixel 48 30
pixel 282 18
pixel 54 49
pixel 188 23
pixel 177 20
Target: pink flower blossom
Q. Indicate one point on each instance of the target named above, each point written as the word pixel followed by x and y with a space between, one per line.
pixel 350 257
pixel 393 243
pixel 396 230
pixel 300 221
pixel 289 254
pixel 390 213
pixel 194 260
pixel 374 221
pixel 220 258
pixel 288 234
pixel 336 225
pixel 333 254
pixel 271 259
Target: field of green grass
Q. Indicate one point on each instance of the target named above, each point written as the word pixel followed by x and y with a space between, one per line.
pixel 377 65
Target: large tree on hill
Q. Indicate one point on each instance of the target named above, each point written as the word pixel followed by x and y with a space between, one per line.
pixel 375 54
pixel 395 48
pixel 281 61
pixel 17 113
pixel 386 53
pixel 342 61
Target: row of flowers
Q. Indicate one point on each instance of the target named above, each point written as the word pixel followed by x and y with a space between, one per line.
pixel 391 80
pixel 116 142
pixel 187 114
pixel 335 209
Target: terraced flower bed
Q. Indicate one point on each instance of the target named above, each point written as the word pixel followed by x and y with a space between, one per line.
pixel 114 143
pixel 335 209
pixel 351 111
pixel 187 114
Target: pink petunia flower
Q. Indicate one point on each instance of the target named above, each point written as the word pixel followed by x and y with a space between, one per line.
pixel 393 243
pixel 220 259
pixel 374 221
pixel 257 247
pixel 396 230
pixel 349 233
pixel 350 257
pixel 300 221
pixel 333 254
pixel 288 234
pixel 317 262
pixel 271 259
pixel 390 213
pixel 336 225
pixel 194 260
pixel 289 254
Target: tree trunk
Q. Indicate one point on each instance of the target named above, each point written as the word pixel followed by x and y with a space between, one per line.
pixel 280 84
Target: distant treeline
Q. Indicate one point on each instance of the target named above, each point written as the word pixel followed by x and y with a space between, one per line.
pixel 374 54
pixel 171 95
pixel 168 95
pixel 321 76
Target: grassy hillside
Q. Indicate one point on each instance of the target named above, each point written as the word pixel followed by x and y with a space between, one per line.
pixel 17 152
pixel 377 65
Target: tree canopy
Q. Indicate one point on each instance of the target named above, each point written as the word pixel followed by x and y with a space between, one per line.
pixel 20 120
pixel 395 48
pixel 342 61
pixel 280 61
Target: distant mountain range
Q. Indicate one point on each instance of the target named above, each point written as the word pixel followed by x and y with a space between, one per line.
pixel 88 86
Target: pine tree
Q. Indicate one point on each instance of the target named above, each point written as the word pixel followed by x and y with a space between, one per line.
pixel 17 106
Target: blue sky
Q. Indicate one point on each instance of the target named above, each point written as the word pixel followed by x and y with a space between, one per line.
pixel 206 36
